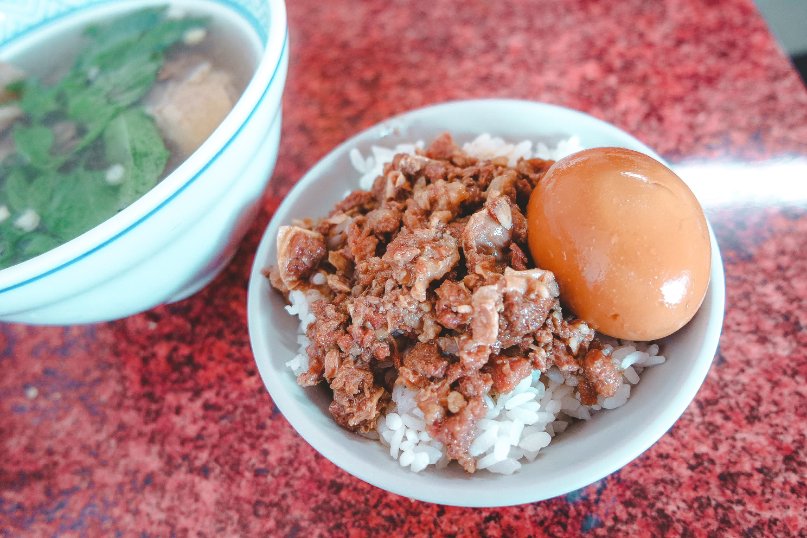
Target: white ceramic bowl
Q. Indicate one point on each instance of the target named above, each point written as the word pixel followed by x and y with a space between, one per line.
pixel 176 238
pixel 584 453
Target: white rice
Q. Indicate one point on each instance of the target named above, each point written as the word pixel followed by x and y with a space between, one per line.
pixel 483 146
pixel 373 166
pixel 519 424
pixel 300 307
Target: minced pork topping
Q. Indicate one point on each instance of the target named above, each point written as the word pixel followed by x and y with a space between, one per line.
pixel 427 280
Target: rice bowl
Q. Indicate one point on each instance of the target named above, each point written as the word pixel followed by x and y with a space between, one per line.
pixel 610 431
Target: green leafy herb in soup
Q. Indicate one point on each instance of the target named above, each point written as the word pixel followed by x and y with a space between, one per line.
pixel 140 96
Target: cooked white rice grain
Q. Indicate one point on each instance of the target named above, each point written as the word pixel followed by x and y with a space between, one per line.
pixel 535 441
pixel 483 442
pixel 505 466
pixel 655 360
pixel 618 399
pixel 631 375
pixel 393 421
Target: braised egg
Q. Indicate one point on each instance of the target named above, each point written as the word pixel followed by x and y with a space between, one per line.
pixel 626 239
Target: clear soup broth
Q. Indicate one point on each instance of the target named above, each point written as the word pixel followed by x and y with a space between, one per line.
pixel 98 108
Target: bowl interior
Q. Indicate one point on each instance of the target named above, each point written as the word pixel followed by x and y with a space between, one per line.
pixel 584 453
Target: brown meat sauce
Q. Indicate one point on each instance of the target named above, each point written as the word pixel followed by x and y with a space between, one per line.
pixel 428 282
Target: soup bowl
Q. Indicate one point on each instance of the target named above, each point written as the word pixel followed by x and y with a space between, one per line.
pixel 588 450
pixel 177 237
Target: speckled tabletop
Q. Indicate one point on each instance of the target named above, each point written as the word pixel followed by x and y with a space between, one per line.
pixel 159 425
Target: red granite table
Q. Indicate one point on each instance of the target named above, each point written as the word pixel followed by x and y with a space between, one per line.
pixel 159 424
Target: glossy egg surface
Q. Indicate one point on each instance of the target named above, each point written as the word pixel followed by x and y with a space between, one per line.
pixel 626 238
